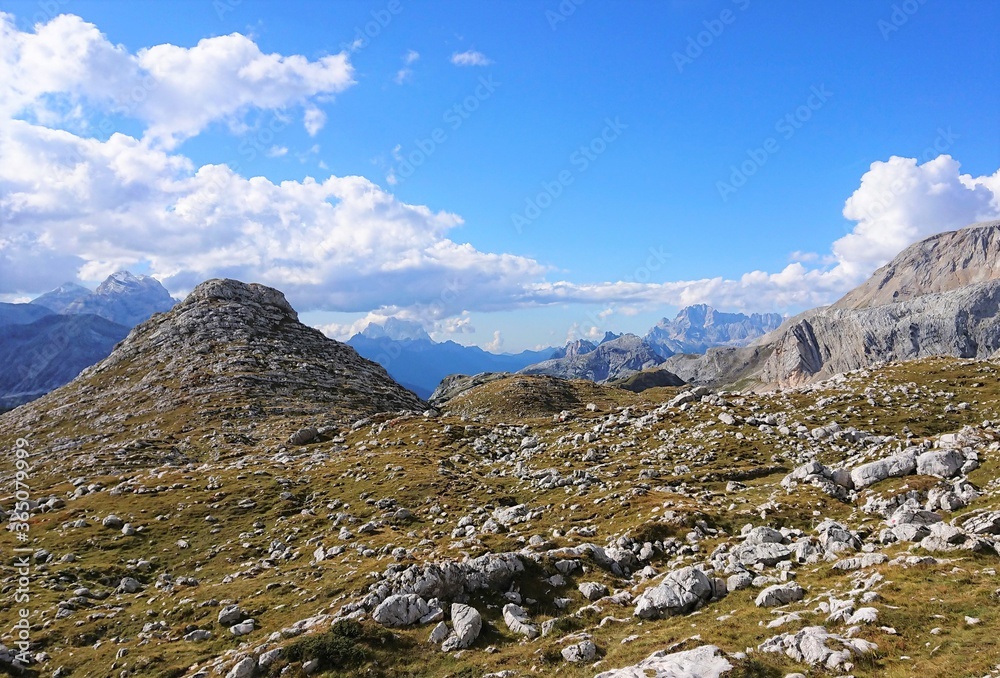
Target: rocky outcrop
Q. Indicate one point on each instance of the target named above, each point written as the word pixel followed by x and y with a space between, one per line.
pixel 681 591
pixel 702 662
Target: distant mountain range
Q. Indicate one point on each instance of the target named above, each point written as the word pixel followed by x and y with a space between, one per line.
pixel 122 298
pixel 417 362
pixel 48 341
pixel 616 357
pixel 409 354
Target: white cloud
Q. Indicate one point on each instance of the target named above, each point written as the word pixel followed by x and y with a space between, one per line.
pixel 405 73
pixel 72 203
pixel 48 75
pixel 470 58
pixel 900 202
pixel 313 120
pixel 495 344
pixel 343 244
pixel 340 244
pixel 277 151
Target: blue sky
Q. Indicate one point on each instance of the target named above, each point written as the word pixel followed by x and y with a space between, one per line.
pixel 583 165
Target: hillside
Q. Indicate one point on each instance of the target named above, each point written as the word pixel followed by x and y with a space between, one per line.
pixel 583 529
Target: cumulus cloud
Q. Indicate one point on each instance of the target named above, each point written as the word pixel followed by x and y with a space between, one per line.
pixel 496 343
pixel 900 201
pixel 344 244
pixel 470 58
pixel 67 63
pixel 340 244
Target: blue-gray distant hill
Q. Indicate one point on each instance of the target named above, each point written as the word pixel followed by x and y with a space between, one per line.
pixel 46 343
pixel 419 363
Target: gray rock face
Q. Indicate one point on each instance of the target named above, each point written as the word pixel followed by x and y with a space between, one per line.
pixel 583 651
pixel 940 463
pixel 400 610
pixel 244 668
pixel 983 523
pixel 941 263
pixel 780 594
pixel 517 620
pixel 812 646
pixel 231 614
pixel 702 662
pixel 764 554
pixel 613 359
pixel 938 297
pixel 681 591
pixel 449 580
pixel 592 590
pixel 895 466
pixel 466 623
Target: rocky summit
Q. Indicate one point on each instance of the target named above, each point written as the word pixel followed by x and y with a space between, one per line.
pixel 232 494
pixel 939 296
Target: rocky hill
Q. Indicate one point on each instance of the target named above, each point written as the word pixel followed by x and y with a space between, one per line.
pixel 700 327
pixel 231 351
pixel 938 297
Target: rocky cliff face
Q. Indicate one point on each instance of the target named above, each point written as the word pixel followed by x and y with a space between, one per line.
pixel 938 297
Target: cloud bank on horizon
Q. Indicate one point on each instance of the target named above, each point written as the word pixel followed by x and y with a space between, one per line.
pixel 71 202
